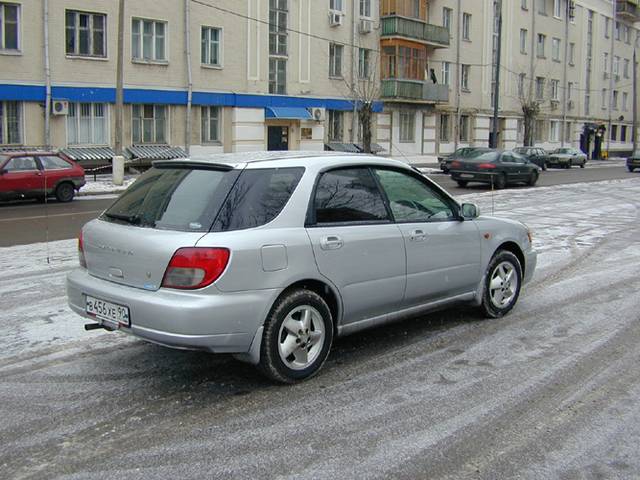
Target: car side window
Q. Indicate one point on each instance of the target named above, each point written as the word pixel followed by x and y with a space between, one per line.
pixel 347 196
pixel 51 162
pixel 412 200
pixel 507 158
pixel 21 164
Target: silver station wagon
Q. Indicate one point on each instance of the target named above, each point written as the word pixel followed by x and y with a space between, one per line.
pixel 271 256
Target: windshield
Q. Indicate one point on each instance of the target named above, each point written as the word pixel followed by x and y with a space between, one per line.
pixel 2 159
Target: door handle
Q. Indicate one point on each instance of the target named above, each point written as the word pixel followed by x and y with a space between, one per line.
pixel 417 236
pixel 331 242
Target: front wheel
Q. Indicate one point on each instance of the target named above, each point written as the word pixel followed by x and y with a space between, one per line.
pixel 583 164
pixel 500 181
pixel 297 337
pixel 544 166
pixel 502 283
pixel 532 179
pixel 65 192
pixel 462 183
pixel 630 168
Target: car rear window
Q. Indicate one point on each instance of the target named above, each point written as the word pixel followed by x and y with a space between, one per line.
pixel 257 197
pixel 484 157
pixel 186 199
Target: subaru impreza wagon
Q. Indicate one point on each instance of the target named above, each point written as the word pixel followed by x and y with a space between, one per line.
pixel 271 256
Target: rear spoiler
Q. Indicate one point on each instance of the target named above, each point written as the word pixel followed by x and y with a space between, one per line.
pixel 191 164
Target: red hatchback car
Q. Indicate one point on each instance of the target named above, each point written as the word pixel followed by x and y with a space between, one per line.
pixel 39 175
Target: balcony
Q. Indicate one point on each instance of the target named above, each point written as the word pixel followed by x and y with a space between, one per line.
pixel 628 10
pixel 413 29
pixel 398 89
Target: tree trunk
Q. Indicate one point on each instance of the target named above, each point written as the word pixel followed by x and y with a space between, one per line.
pixel 365 114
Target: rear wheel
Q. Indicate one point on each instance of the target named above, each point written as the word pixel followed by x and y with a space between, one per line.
pixel 532 179
pixel 500 181
pixel 630 168
pixel 462 183
pixel 544 166
pixel 502 283
pixel 583 164
pixel 65 192
pixel 297 337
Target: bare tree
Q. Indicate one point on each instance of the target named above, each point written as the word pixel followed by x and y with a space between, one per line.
pixel 532 102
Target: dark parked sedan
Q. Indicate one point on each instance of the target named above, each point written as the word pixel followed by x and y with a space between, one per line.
pixel 497 168
pixel 633 161
pixel 464 152
pixel 535 155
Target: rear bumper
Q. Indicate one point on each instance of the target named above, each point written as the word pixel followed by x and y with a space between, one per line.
pixel 485 177
pixel 203 320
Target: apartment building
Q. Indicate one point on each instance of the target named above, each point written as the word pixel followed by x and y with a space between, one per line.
pixel 264 74
pixel 577 68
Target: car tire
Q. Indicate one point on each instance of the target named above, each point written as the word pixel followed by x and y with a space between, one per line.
pixel 570 164
pixel 630 169
pixel 503 271
pixel 583 164
pixel 65 192
pixel 290 328
pixel 500 182
pixel 462 183
pixel 544 166
pixel 532 179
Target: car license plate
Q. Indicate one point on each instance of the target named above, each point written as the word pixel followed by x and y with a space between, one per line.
pixel 466 175
pixel 107 311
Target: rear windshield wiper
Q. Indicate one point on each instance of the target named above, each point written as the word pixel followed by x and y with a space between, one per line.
pixel 132 219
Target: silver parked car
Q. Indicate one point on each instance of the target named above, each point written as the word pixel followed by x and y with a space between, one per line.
pixel 567 157
pixel 270 257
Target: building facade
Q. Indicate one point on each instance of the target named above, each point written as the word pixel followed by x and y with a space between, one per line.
pixel 574 59
pixel 264 74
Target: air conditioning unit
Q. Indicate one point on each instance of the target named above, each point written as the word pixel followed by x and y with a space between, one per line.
pixel 335 18
pixel 570 104
pixel 60 107
pixel 317 114
pixel 366 26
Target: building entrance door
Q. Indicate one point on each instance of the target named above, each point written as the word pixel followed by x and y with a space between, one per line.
pixel 277 138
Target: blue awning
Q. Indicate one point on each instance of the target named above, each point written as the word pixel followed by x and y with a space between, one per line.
pixel 287 113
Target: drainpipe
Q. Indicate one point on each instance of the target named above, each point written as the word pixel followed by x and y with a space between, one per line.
pixel 458 75
pixel 354 59
pixel 187 34
pixel 611 84
pixel 47 77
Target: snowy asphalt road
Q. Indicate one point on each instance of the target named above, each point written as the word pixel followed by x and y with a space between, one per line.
pixel 550 391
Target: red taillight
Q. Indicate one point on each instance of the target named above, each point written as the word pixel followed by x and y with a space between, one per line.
pixel 455 164
pixel 195 267
pixel 81 259
pixel 486 166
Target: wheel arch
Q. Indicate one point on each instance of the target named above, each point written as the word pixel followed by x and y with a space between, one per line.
pixel 514 248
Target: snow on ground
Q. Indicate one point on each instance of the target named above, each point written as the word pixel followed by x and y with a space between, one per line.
pixel 104 184
pixel 564 219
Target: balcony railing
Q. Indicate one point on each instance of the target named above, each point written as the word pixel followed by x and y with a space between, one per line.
pixel 415 90
pixel 628 9
pixel 413 29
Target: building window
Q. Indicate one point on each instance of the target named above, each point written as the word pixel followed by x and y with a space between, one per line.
pixel 616 65
pixel 572 53
pixel 364 58
pixel 623 133
pixel 557 8
pixel 278 76
pixel 210 123
pixel 617 31
pixel 445 118
pixel 523 5
pixel 335 60
pixel 87 124
pixel 446 18
pixel 542 6
pixel 10 123
pixel 554 131
pixel 614 100
pixel 211 50
pixel 464 77
pixel 569 90
pixel 9 26
pixel 567 132
pixel 555 87
pixel 627 36
pixel 278 17
pixel 539 88
pixel 86 34
pixel 466 26
pixel 625 71
pixel 446 73
pixel 149 123
pixel 607 27
pixel 604 98
pixel 335 125
pixel 625 100
pixel 335 5
pixel 541 45
pixel 605 63
pixel 555 49
pixel 614 133
pixel 407 127
pixel 365 8
pixel 538 131
pixel 523 40
pixel 148 40
pixel 521 78
pixel 465 123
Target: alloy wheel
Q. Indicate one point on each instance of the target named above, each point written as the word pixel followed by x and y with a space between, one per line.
pixel 503 285
pixel 301 337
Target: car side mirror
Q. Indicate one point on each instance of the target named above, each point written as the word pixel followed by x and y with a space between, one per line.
pixel 469 211
pixel 3 171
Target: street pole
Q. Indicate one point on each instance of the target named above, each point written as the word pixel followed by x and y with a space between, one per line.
pixel 47 77
pixel 613 33
pixel 634 128
pixel 496 92
pixel 187 38
pixel 117 164
pixel 563 129
pixel 458 74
